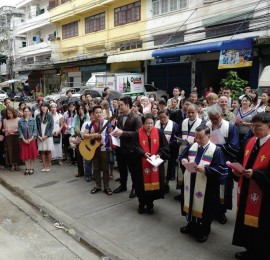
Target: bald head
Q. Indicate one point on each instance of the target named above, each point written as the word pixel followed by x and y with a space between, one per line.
pixel 192 112
pixel 223 102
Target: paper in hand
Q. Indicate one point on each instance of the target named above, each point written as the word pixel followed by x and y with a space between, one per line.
pixel 190 166
pixel 237 167
pixel 155 161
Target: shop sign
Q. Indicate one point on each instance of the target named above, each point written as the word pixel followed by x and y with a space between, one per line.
pixel 168 59
pixel 230 59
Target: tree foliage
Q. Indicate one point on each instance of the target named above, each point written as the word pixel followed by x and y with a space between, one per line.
pixel 234 82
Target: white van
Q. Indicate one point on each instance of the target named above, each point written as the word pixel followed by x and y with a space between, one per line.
pixel 264 81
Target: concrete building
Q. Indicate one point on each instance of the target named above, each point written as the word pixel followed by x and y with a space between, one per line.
pixel 9 41
pixel 173 42
pixel 39 51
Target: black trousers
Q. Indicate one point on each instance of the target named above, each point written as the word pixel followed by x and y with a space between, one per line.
pixel 126 163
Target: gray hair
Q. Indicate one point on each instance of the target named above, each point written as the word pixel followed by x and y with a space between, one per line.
pixel 214 110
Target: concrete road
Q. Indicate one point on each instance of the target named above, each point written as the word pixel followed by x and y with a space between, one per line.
pixel 32 236
pixel 112 225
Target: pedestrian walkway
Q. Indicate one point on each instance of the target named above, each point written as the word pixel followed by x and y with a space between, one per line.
pixel 111 223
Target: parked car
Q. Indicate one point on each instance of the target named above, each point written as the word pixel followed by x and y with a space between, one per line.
pixel 3 95
pixel 61 93
pixel 150 89
pixel 97 93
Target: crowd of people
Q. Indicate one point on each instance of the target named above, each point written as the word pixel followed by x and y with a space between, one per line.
pixel 197 142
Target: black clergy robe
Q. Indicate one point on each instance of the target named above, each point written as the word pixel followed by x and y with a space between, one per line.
pixel 255 240
pixel 164 153
pixel 215 173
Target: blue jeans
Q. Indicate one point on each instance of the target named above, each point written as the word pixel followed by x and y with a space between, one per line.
pixel 88 169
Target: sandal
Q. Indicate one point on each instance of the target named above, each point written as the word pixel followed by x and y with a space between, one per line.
pixel 31 171
pixel 108 191
pixel 95 190
pixel 26 172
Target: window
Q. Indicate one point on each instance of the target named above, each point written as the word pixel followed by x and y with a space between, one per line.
pixel 95 23
pixel 127 14
pixel 129 45
pixel 166 6
pixel 23 44
pixel 168 39
pixel 226 29
pixel 70 30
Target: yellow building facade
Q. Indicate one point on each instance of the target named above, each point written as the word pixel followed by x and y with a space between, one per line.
pixel 90 30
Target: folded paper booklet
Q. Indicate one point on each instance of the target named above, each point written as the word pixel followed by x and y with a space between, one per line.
pixel 155 161
pixel 237 167
pixel 190 166
pixel 182 141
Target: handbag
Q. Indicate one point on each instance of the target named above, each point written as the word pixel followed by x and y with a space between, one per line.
pixel 56 139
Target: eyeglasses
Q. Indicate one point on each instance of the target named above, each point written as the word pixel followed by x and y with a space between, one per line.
pixel 257 126
pixel 214 118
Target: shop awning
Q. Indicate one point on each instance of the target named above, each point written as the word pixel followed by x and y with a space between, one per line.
pixel 245 43
pixel 23 76
pixel 131 56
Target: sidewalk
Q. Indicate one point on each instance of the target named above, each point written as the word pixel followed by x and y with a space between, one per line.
pixel 112 225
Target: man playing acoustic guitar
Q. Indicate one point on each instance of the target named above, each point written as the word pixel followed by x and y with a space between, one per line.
pixel 95 132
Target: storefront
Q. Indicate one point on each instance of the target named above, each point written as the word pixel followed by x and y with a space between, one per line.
pixel 199 64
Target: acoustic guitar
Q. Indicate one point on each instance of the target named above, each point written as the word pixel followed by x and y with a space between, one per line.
pixel 88 147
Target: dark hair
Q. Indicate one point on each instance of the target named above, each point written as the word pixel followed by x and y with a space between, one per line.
pixel 45 117
pixel 204 128
pixel 127 101
pixel 177 88
pixel 104 94
pixel 83 95
pixel 153 95
pixel 105 89
pixel 7 98
pixel 162 101
pixel 155 105
pixel 248 97
pixel 79 105
pixel 261 117
pixel 147 116
pixel 12 110
pixel 22 102
pixel 164 111
pixel 96 107
pixel 138 104
pixel 265 92
pixel 27 107
pixel 68 91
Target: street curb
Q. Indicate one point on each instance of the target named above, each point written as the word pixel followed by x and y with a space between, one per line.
pixel 103 247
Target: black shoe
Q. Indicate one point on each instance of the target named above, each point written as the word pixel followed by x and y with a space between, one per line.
pixel 202 238
pixel 132 194
pixel 120 189
pixel 167 188
pixel 187 229
pixel 241 255
pixel 150 211
pixel 88 179
pixel 140 210
pixel 222 219
pixel 178 197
